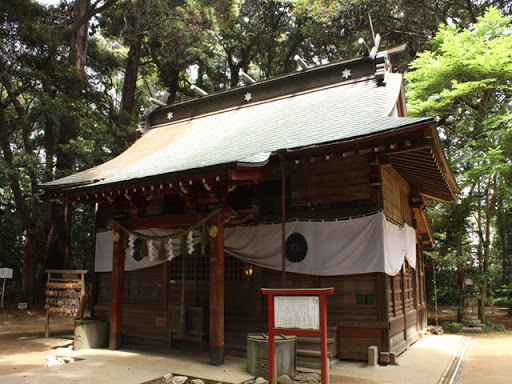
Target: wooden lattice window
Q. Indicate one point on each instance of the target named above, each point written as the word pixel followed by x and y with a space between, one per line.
pixel 234 269
pixel 237 270
pixel 193 263
pixel 401 291
pixel 408 288
pixel 395 295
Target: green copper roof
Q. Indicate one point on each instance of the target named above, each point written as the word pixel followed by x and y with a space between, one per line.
pixel 249 134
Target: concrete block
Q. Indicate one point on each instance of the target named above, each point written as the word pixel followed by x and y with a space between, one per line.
pixel 384 358
pixel 392 357
pixel 373 355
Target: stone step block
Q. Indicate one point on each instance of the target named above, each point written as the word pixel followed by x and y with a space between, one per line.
pixel 472 323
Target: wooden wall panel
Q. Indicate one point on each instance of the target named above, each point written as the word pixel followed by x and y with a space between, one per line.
pixel 240 299
pixel 143 325
pixel 356 348
pixel 329 181
pixel 103 294
pixel 358 325
pixel 395 192
pixel 143 288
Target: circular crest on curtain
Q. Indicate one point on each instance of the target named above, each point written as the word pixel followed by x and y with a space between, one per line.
pixel 296 248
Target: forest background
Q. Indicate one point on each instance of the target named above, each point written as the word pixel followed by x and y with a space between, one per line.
pixel 72 92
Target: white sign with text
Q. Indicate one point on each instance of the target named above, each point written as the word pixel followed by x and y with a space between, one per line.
pixel 6 273
pixel 297 312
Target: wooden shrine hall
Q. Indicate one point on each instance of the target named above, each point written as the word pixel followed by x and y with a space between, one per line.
pixel 309 180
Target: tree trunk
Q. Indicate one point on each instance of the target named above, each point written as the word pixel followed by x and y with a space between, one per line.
pixel 130 77
pixel 485 280
pixel 133 60
pixel 462 293
pixel 58 255
pixel 78 40
pixel 502 230
pixel 59 247
pixel 173 85
pixel 33 250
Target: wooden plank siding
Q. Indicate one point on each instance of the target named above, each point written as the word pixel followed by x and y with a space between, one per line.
pixel 358 325
pixel 395 191
pixel 403 309
pixel 336 180
pixel 391 321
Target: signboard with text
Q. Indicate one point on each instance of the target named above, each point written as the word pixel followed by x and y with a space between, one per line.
pixel 301 312
pixel 6 273
pixel 297 312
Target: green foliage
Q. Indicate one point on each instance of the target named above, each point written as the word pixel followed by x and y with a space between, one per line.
pixel 453 327
pixel 493 327
pixel 464 81
pixel 75 116
pixel 448 288
pixel 83 246
pixel 505 293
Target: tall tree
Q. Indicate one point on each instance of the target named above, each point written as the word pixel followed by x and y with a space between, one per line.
pixel 465 81
pixel 42 83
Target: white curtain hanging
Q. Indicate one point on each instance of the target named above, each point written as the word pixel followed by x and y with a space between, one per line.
pixel 344 247
pixel 105 250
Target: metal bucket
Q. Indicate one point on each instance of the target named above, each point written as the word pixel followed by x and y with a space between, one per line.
pixel 257 354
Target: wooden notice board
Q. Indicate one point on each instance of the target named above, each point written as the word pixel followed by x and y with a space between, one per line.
pixel 301 312
pixel 65 291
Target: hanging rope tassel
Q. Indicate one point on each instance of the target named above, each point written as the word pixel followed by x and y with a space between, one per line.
pixel 204 239
pixel 143 249
pixel 170 250
pixel 161 251
pixel 183 309
pixel 183 246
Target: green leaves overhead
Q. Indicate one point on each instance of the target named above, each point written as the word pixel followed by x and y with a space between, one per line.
pixel 465 80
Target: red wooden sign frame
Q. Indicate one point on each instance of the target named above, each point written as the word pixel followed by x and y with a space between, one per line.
pixel 322 332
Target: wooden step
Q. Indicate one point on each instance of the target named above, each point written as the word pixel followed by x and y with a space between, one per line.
pixel 314 353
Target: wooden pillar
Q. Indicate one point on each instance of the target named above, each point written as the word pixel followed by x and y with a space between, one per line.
pixel 217 291
pixel 402 282
pixel 165 286
pixel 116 309
pixel 93 263
pixel 283 223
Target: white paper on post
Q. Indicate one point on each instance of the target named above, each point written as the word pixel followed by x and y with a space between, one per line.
pixel 297 312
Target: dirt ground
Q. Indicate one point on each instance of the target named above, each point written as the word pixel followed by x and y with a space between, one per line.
pixel 23 346
pixel 488 357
